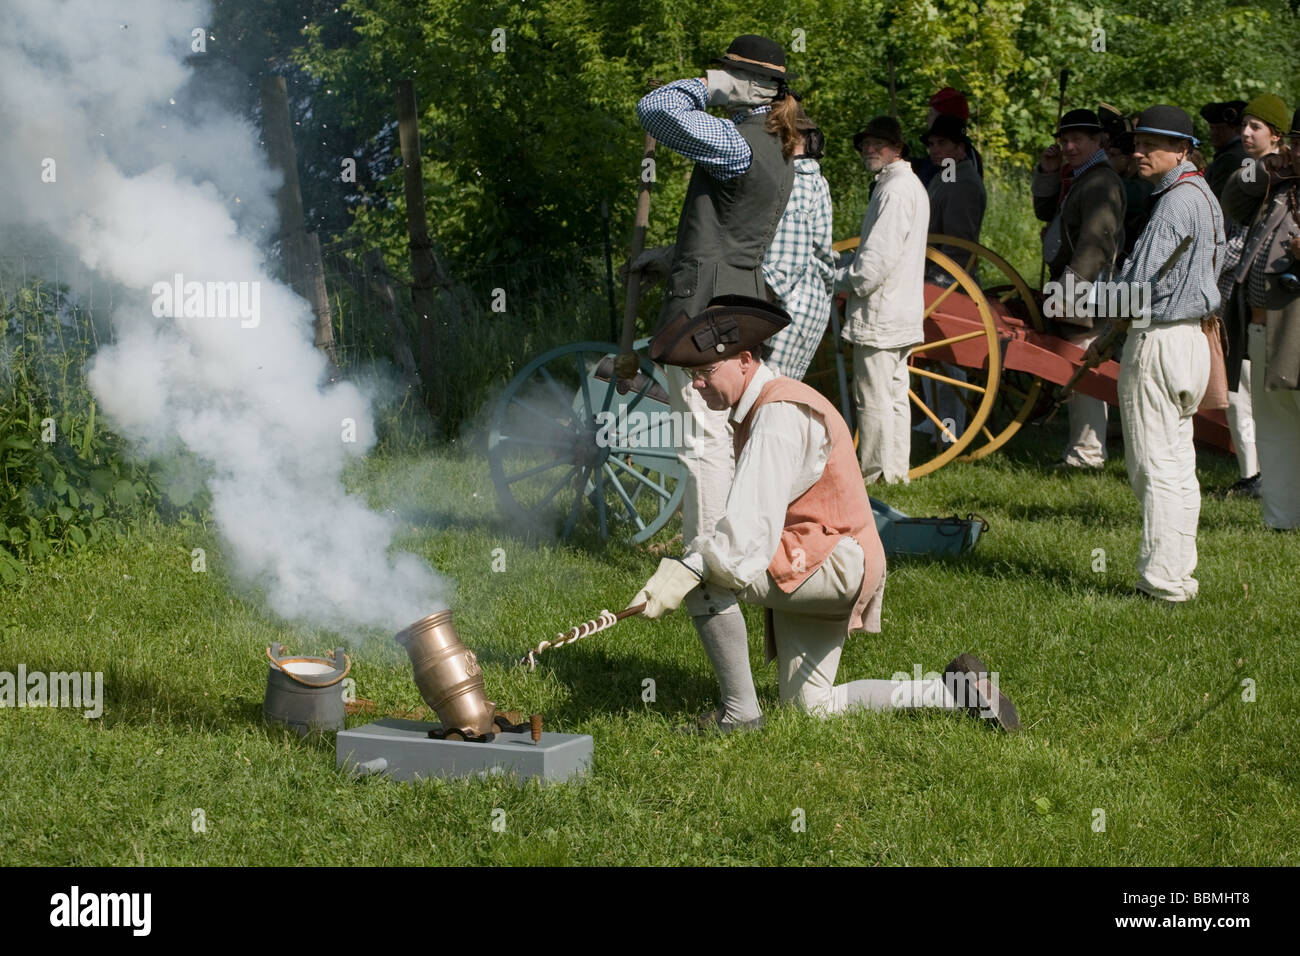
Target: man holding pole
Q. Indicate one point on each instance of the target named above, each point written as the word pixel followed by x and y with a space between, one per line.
pixel 1083 205
pixel 797 535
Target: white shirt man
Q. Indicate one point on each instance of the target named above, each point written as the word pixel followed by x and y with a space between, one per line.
pixel 886 304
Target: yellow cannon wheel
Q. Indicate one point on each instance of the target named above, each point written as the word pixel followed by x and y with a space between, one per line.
pixel 1019 392
pixel 979 396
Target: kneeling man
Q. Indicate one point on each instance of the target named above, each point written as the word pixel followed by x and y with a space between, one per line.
pixel 798 536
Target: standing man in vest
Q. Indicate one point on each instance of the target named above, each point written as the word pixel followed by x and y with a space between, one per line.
pixel 797 536
pixel 738 190
pixel 1083 205
pixel 886 305
pixel 1166 360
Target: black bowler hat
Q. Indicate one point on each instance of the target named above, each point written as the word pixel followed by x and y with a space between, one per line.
pixel 882 127
pixel 946 127
pixel 1228 112
pixel 757 55
pixel 1083 120
pixel 1166 121
pixel 731 324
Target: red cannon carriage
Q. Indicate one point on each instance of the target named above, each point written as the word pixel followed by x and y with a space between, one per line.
pixel 566 447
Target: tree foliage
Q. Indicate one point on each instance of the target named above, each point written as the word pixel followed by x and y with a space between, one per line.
pixel 521 145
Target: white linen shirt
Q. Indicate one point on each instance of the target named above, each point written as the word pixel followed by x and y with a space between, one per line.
pixel 886 280
pixel 786 453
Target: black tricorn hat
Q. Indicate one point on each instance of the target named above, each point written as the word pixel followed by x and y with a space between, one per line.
pixel 731 324
pixel 757 55
pixel 1113 122
pixel 1081 119
pixel 946 127
pixel 1229 112
pixel 882 127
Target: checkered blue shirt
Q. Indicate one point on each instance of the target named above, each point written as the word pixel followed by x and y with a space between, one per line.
pixel 800 268
pixel 675 115
pixel 1189 289
pixel 1096 159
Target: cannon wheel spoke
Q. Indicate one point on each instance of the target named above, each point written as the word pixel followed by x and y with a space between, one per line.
pixel 547 420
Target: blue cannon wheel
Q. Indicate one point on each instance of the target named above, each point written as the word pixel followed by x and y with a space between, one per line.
pixel 566 449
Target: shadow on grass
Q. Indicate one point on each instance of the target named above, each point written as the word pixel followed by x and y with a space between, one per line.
pixel 604 684
pixel 1230 690
pixel 134 700
pixel 1000 568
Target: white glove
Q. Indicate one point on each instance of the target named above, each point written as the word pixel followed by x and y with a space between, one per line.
pixel 738 88
pixel 667 589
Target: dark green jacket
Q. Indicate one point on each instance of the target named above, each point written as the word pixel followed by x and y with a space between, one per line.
pixel 726 227
pixel 1092 221
pixel 1226 162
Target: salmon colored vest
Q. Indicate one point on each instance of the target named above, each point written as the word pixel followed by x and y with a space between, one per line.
pixel 835 506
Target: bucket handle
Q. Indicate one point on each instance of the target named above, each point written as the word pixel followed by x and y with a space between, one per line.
pixel 335 654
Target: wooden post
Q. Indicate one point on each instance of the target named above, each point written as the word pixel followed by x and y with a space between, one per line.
pixel 434 313
pixel 379 282
pixel 302 258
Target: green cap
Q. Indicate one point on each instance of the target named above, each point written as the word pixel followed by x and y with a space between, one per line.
pixel 1271 109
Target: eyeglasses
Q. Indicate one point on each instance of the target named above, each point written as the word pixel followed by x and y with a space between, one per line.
pixel 704 373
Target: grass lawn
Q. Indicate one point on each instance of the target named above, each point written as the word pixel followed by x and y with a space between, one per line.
pixel 1129 708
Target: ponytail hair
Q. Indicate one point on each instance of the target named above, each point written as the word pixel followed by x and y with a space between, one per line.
pixel 783 119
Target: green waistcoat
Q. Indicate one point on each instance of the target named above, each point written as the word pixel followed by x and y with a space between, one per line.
pixel 726 227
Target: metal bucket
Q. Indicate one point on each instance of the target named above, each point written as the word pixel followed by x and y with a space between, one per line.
pixel 448 675
pixel 304 692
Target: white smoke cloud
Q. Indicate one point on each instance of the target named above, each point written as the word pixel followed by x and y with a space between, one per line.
pixel 144 190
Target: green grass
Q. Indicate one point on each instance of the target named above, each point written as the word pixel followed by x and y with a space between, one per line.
pixel 1131 708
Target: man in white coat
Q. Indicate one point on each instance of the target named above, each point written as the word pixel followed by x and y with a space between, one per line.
pixel 886 302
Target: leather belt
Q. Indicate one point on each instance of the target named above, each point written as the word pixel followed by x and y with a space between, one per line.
pixel 1258 316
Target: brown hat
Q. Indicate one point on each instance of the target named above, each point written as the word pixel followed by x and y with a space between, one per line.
pixel 882 127
pixel 730 325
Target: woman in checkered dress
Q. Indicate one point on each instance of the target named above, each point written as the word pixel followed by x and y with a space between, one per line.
pixel 799 266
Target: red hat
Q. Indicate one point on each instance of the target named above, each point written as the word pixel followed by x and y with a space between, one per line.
pixel 948 102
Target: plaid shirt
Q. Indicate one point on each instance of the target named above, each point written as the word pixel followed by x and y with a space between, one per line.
pixel 1190 287
pixel 675 115
pixel 1096 159
pixel 800 268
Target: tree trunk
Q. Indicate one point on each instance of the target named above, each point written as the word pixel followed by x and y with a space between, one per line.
pixel 379 282
pixel 435 311
pixel 301 249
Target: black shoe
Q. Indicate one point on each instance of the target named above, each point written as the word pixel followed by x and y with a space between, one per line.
pixel 968 680
pixel 709 723
pixel 1245 488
